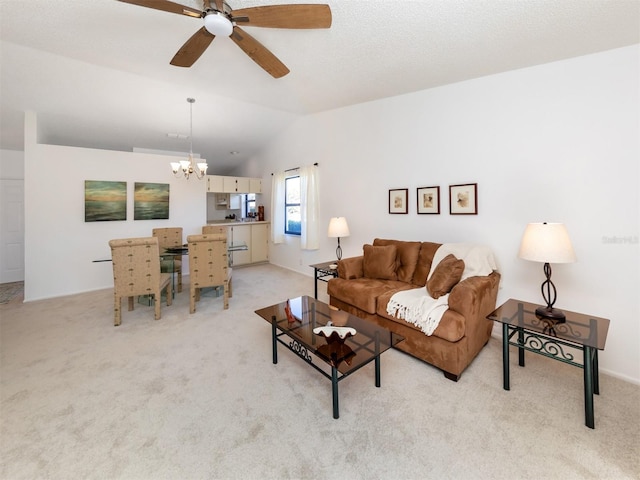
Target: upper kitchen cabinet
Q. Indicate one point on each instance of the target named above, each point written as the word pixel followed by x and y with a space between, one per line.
pixel 255 185
pixel 215 184
pixel 236 185
pixel 223 184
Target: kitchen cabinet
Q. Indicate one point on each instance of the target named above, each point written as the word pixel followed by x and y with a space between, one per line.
pixel 224 184
pixel 227 201
pixel 239 234
pixel 235 202
pixel 259 242
pixel 222 201
pixel 215 183
pixel 235 185
pixel 255 235
pixel 255 185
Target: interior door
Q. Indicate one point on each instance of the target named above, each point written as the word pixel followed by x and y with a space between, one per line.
pixel 12 231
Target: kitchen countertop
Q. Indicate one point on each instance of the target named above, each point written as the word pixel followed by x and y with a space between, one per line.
pixel 234 222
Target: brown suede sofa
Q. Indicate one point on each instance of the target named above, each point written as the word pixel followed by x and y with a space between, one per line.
pixel 365 284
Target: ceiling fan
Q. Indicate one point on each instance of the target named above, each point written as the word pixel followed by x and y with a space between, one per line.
pixel 220 19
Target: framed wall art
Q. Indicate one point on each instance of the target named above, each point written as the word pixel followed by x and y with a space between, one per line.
pixel 398 200
pixel 463 199
pixel 150 201
pixel 428 200
pixel 105 201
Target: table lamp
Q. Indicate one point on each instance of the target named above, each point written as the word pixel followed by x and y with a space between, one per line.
pixel 547 243
pixel 338 228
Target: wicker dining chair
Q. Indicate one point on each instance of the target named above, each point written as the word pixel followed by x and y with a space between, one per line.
pixel 168 238
pixel 214 229
pixel 208 267
pixel 136 271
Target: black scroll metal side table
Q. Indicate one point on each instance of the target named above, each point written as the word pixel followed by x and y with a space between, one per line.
pixel 324 273
pixel 522 328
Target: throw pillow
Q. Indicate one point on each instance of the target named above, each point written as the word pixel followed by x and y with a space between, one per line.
pixel 380 262
pixel 446 275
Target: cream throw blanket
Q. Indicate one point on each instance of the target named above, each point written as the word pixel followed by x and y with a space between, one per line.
pixel 416 306
pixel 478 259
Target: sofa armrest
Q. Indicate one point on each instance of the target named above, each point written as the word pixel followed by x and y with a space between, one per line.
pixel 351 268
pixel 475 298
pixel 474 295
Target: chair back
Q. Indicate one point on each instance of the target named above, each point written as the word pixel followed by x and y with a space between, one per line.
pixel 208 260
pixel 214 229
pixel 136 266
pixel 168 237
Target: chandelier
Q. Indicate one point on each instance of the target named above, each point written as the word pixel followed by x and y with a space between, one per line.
pixel 189 167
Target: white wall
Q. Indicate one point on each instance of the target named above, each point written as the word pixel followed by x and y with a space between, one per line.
pixel 60 247
pixel 11 216
pixel 11 165
pixel 557 142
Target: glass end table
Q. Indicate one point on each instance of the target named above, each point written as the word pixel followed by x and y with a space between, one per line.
pixel 522 328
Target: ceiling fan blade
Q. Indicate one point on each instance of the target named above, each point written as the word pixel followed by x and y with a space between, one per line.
pixel 192 49
pixel 166 6
pixel 284 16
pixel 259 53
pixel 219 5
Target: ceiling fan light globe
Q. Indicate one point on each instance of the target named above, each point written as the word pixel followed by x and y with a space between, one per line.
pixel 217 23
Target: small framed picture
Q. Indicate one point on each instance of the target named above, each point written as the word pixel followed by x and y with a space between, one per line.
pixel 398 200
pixel 428 200
pixel 463 199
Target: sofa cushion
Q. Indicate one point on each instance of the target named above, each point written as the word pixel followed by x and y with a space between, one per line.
pixel 423 265
pixel 406 259
pixel 362 293
pixel 445 276
pixel 380 262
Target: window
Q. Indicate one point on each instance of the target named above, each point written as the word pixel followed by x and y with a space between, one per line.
pixel 292 218
pixel 250 205
pixel 294 207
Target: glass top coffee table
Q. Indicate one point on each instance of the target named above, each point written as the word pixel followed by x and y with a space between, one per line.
pixel 340 357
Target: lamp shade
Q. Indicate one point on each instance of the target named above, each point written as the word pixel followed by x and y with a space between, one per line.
pixel 546 242
pixel 338 227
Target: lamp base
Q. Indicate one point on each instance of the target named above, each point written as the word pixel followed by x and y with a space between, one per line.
pixel 550 312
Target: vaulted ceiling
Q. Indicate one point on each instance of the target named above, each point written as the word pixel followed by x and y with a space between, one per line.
pixel 97 72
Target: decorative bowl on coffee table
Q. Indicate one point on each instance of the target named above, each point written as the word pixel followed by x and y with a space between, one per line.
pixel 335 334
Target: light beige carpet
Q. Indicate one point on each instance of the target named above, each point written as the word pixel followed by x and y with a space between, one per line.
pixel 197 397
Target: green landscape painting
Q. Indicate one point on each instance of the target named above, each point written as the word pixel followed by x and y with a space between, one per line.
pixel 151 201
pixel 105 201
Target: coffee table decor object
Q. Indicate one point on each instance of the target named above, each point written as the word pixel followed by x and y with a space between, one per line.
pixel 334 351
pixel 290 316
pixel 334 334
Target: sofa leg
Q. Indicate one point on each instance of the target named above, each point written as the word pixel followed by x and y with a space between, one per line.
pixel 451 376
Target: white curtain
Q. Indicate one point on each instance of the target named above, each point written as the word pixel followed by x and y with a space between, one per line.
pixel 309 206
pixel 277 207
